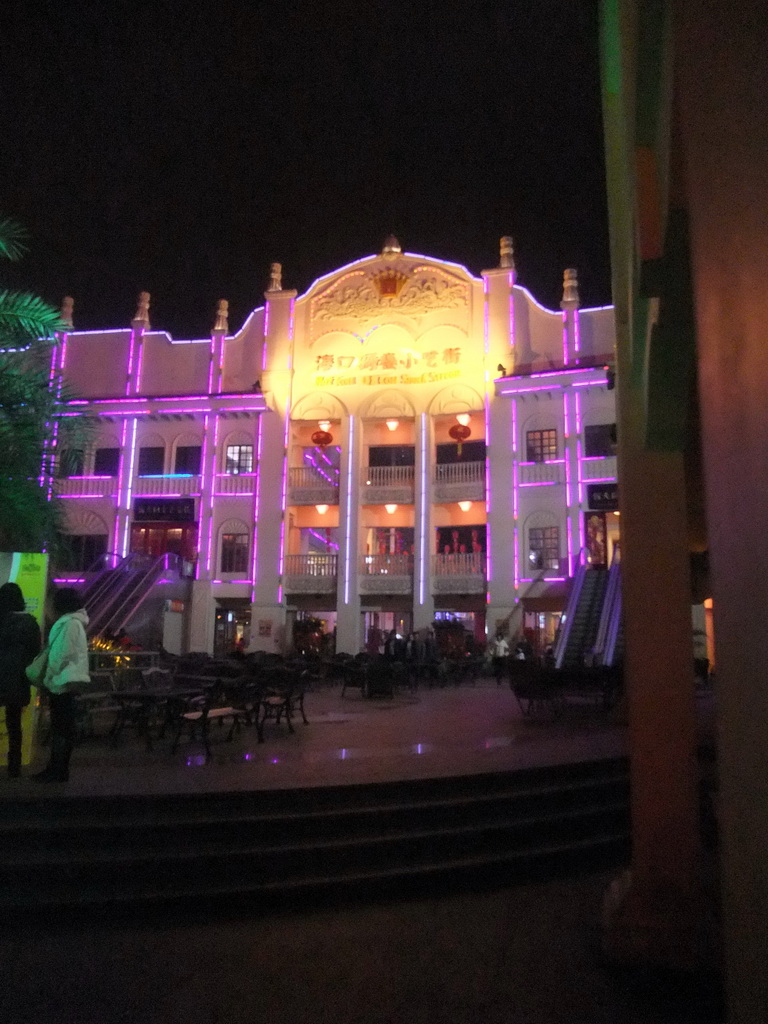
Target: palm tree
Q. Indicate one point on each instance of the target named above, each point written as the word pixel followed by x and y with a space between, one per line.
pixel 30 410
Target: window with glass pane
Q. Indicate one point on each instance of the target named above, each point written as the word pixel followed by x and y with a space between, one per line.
pixel 106 462
pixel 239 459
pixel 71 462
pixel 392 455
pixel 151 461
pixel 544 547
pixel 188 460
pixel 471 451
pixel 234 552
pixel 541 445
pixel 600 440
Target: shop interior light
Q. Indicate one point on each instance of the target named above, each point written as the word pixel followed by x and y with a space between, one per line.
pixel 391 508
pixel 463 419
pixel 322 509
pixel 465 506
pixel 393 424
pixel 324 424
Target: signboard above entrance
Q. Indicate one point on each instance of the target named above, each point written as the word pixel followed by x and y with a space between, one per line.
pixel 603 497
pixel 164 510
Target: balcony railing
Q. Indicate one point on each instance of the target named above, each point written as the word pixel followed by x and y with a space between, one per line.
pixel 599 468
pixel 85 486
pixel 307 476
pixel 542 472
pixel 311 565
pixel 472 564
pixel 235 483
pixel 389 476
pixel 386 565
pixel 168 485
pixel 460 473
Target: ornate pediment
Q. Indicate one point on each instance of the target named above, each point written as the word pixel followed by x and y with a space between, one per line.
pixel 389 289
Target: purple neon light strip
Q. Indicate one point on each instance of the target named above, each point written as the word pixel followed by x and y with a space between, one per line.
pixel 209 553
pixel 121 479
pixel 129 369
pixel 565 338
pixel 211 360
pixel 256 501
pixel 542 483
pixel 283 502
pixel 590 383
pixel 350 499
pixel 576 333
pixel 423 511
pixel 204 481
pixel 488 500
pixel 139 364
pixel 129 487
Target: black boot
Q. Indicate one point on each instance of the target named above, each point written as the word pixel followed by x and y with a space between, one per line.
pixel 14 764
pixel 58 765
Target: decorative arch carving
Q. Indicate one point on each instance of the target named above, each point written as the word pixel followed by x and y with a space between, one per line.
pixel 150 440
pixel 388 404
pixel 233 526
pixel 318 405
pixel 456 398
pixel 84 522
pixel 539 519
pixel 187 439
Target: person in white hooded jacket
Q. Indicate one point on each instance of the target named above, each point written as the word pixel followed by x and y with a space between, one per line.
pixel 67 668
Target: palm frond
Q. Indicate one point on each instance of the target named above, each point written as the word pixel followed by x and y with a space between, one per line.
pixel 13 238
pixel 24 318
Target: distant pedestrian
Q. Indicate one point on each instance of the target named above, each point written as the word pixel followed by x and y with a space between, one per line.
pixel 500 655
pixel 19 644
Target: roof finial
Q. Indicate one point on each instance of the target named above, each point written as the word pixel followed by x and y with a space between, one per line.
pixel 570 290
pixel 222 316
pixel 391 247
pixel 275 277
pixel 506 253
pixel 67 309
pixel 141 316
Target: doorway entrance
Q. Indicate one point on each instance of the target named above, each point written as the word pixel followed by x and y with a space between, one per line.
pixel 156 539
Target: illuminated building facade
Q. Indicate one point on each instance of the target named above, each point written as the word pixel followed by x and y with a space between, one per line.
pixel 404 443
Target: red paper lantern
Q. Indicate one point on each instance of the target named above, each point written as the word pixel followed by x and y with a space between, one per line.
pixel 322 438
pixel 459 433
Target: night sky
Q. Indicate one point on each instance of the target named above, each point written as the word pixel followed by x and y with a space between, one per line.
pixel 152 146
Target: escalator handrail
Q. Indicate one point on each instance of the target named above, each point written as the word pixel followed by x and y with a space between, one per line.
pixel 118 617
pixel 566 621
pixel 613 587
pixel 101 604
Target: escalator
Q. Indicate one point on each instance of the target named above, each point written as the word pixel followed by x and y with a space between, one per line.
pixel 579 630
pixel 115 594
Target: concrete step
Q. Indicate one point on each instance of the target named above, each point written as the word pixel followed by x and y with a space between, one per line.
pixel 131 851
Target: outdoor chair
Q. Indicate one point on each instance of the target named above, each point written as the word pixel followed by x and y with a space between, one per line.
pixel 281 695
pixel 536 690
pixel 354 675
pixel 195 714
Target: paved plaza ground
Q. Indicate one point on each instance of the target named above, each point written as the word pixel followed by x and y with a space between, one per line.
pixel 517 955
pixel 433 732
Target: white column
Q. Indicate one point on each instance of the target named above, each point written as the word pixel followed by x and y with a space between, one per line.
pixel 348 621
pixel 499 504
pixel 268 608
pixel 424 544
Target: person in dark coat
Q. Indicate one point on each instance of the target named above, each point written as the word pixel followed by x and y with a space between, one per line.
pixel 19 644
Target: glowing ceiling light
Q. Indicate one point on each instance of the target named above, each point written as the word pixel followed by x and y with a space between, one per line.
pixel 465 506
pixel 322 509
pixel 463 419
pixel 391 508
pixel 393 424
pixel 324 424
